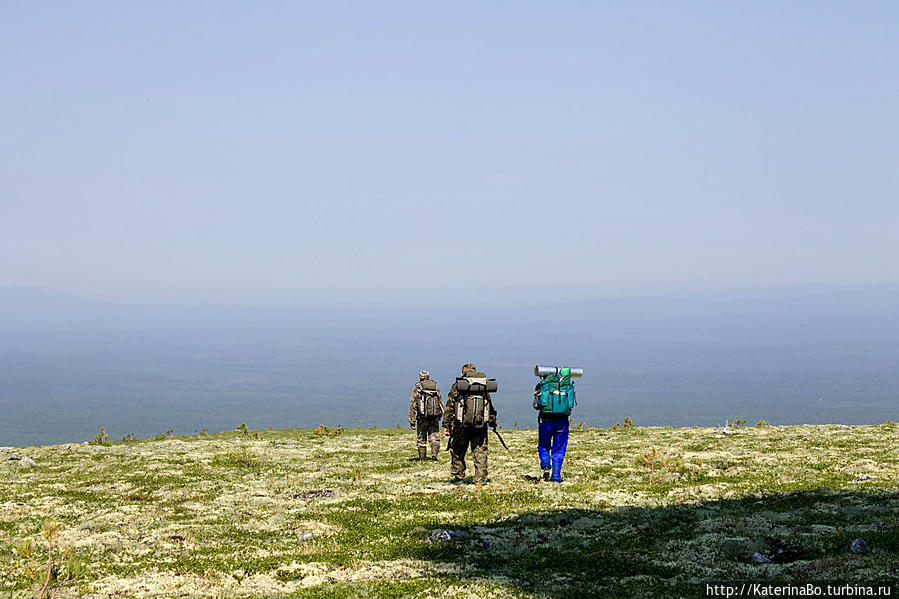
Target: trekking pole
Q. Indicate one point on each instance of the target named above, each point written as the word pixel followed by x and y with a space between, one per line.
pixel 501 438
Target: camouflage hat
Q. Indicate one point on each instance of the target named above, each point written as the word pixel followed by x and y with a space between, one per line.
pixel 424 374
pixel 469 368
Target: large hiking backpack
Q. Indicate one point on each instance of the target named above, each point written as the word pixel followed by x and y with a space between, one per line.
pixel 473 405
pixel 556 394
pixel 429 404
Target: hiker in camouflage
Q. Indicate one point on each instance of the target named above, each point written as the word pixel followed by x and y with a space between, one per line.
pixel 424 419
pixel 461 437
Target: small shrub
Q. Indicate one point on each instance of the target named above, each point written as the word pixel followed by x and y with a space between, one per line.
pixel 101 438
pixel 656 461
pixel 52 567
pixel 762 424
pixel 626 424
pixel 326 431
pixel 243 430
pixel 736 423
pixel 240 458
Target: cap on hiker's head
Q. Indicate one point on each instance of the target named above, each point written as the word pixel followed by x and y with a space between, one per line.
pixel 424 374
pixel 466 368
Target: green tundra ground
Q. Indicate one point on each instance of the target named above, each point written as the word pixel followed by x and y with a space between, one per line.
pixel 295 514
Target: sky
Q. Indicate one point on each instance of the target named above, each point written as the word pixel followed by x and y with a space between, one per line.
pixel 352 152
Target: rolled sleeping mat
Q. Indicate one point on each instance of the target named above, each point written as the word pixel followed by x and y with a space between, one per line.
pixel 475 385
pixel 576 373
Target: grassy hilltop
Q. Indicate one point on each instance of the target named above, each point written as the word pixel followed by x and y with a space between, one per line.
pixel 348 514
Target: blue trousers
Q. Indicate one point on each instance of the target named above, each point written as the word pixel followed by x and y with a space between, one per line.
pixel 552 440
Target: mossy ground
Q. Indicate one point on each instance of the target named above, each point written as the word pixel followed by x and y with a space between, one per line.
pixel 297 514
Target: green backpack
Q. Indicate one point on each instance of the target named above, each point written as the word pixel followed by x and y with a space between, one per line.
pixel 557 394
pixel 429 404
pixel 473 403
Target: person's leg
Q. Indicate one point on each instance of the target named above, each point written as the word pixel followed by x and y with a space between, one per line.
pixel 458 447
pixel 544 443
pixel 434 438
pixel 479 455
pixel 559 445
pixel 421 430
pixel 544 446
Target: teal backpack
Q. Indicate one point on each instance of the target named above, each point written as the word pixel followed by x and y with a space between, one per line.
pixel 557 393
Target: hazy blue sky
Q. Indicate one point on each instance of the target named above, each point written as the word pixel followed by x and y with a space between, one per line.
pixel 319 152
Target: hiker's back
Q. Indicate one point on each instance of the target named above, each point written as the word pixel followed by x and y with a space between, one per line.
pixel 556 395
pixel 473 405
pixel 428 403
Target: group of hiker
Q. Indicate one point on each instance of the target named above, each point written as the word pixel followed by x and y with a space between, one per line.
pixel 469 412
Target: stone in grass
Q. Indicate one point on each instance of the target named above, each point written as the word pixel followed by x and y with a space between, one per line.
pixel 445 535
pixel 307 536
pixel 859 546
pixel 13 456
pixel 314 494
pixel 28 462
pixel 760 559
pixel 860 478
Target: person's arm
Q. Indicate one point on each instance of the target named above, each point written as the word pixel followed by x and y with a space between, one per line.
pixel 537 397
pixel 439 401
pixel 412 407
pixel 449 410
pixel 491 420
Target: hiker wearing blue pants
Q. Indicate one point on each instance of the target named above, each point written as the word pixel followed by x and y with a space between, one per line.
pixel 551 444
pixel 552 440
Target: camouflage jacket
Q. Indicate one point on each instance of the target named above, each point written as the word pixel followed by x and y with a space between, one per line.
pixel 449 413
pixel 413 403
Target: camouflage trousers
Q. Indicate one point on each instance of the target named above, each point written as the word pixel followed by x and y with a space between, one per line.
pixel 428 431
pixel 460 439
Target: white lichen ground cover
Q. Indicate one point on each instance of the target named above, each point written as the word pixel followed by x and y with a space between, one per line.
pixel 295 514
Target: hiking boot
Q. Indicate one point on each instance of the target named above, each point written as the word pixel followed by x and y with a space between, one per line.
pixel 422 454
pixel 456 481
pixel 433 458
pixel 546 472
pixel 555 480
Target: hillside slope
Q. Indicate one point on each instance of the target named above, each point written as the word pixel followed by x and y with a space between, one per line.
pixel 350 514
